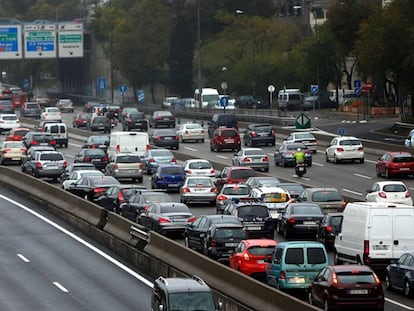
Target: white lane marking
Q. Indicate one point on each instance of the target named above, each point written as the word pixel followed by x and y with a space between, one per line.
pixel 75 145
pixel 317 164
pixel 370 161
pixel 83 242
pixel 222 157
pixel 303 178
pixel 398 304
pixel 353 192
pixel 23 258
pixel 69 155
pixel 191 149
pixel 63 289
pixel 411 188
pixel 363 176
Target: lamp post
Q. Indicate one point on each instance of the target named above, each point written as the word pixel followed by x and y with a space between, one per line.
pixel 199 56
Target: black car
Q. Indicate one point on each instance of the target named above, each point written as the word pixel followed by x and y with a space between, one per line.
pixel 135 121
pixel 228 120
pixel 75 167
pixel 100 123
pixel 329 227
pixel 255 217
pixel 116 195
pixel 38 139
pixel 125 111
pixel 399 274
pixel 165 138
pixel 300 218
pixel 92 187
pixel 221 240
pixel 167 217
pixel 284 155
pixel 97 141
pixel 250 102
pixel 140 201
pixel 97 157
pixel 6 106
pixel 197 231
pixel 162 118
pixel 259 134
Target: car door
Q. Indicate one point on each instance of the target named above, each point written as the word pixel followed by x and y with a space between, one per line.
pixel 222 178
pixel 235 258
pixel 382 163
pixel 396 272
pixel 107 199
pixel 320 284
pixel 194 234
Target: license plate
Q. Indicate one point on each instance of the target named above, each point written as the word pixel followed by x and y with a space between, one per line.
pixel 404 169
pixel 138 123
pixel 96 160
pixel 358 291
pixel 301 168
pixel 230 244
pixel 101 127
pixel 229 141
pixel 166 118
pixel 260 261
pixel 167 138
pixel 253 228
pixel 296 279
pixel 172 185
pixel 52 167
pixel 309 222
pixel 15 159
pixel 380 247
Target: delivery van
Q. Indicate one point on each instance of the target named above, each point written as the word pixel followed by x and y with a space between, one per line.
pixel 59 131
pixel 209 98
pixel 374 233
pixel 290 99
pixel 125 142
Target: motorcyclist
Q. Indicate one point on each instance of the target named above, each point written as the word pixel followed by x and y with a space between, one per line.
pixel 299 156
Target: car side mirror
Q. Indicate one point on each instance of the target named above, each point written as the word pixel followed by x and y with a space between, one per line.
pixel 219 305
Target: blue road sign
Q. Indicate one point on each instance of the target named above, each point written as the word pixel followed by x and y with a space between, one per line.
pixel 26 84
pixel 141 96
pixel 341 131
pixel 224 101
pixel 314 89
pixel 11 42
pixel 101 84
pixel 123 88
pixel 357 87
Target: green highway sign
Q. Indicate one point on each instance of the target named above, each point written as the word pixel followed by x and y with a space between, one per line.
pixel 303 121
pixel 70 40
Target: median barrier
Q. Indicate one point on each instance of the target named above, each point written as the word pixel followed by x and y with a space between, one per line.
pixel 120 227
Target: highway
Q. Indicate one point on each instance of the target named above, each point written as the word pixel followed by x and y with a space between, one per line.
pixel 352 179
pixel 45 265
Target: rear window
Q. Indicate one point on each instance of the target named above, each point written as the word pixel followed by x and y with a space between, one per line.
pixel 156 198
pixel 349 142
pixel 21 132
pixel 51 156
pixel 137 116
pixel 294 256
pixel 161 153
pixel 200 182
pixel 394 188
pixel 9 118
pixel 254 152
pixel 99 120
pixel 263 128
pixel 326 196
pixel 32 106
pixel 403 159
pixel 239 174
pixel 42 137
pixel 350 277
pixel 316 255
pixel 305 136
pixel 294 96
pixel 199 165
pixel 307 209
pixel 170 170
pixel 230 233
pixel 294 147
pixel 263 251
pixel 99 140
pixel 15 144
pixel 174 208
pixel 336 221
pixel 253 210
pixel 236 190
pixel 229 133
pixel 95 152
pixel 128 159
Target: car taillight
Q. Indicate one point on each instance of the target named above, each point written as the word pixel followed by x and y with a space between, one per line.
pixel 366 252
pixel 191 219
pixel 253 134
pixel 53 142
pixel 202 132
pixel 158 118
pixel 174 160
pixel 140 165
pixel 118 148
pixel 129 120
pixel 176 138
pixel 377 280
pixel 152 160
pixel 334 279
pixel 33 142
pixel 344 203
pixel 115 166
pixel 214 189
pixel 163 220
pixel 246 160
pixel 221 197
pixel 6 150
pixel 283 275
pixel 105 159
pixel 38 165
pixel 188 172
pixel 273 133
pixel 340 149
pixel 24 150
pixel 65 164
pixel 292 221
pixel 407 194
pixel 158 138
pixel 328 228
pixel 361 149
pixel 121 197
pixel 213 243
pixel 246 256
pixel 265 159
pixel 186 133
pixel 382 195
pixel 86 159
pixel 99 190
pixel 147 147
pixel 186 190
pixel 212 171
pixel 93 146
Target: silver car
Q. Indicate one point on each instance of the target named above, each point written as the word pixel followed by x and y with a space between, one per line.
pixel 255 158
pixel 49 164
pixel 231 192
pixel 198 189
pixel 125 165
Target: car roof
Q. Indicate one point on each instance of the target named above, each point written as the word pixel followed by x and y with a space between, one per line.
pixel 312 190
pixel 346 137
pixel 270 189
pixel 303 204
pixel 231 185
pixel 299 243
pixel 397 153
pixel 226 225
pixel 260 242
pixel 179 285
pixel 390 182
pixel 346 268
pixel 233 168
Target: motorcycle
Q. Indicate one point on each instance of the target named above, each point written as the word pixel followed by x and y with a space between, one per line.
pixel 300 169
pixel 114 122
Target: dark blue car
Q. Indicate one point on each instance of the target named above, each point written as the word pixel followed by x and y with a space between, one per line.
pixel 168 176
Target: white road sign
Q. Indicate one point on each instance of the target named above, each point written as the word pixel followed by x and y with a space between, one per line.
pixel 70 40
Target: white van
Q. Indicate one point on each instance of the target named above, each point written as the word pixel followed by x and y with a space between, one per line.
pixel 209 97
pixel 125 142
pixel 343 95
pixel 59 131
pixel 290 99
pixel 374 233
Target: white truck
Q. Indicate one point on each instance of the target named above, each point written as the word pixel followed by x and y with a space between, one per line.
pixel 209 98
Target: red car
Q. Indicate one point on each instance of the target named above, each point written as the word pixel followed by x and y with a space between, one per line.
pixel 81 120
pixel 249 255
pixel 234 175
pixel 395 163
pixel 17 133
pixel 225 138
pixel 347 286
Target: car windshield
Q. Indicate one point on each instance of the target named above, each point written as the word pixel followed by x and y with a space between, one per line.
pixel 53 110
pixel 336 220
pixel 229 133
pixel 326 196
pixel 51 157
pixel 402 159
pixel 161 153
pixel 199 182
pixel 307 209
pixel 222 233
pixel 199 165
pixel 236 190
pixel 253 210
pixel 240 174
pixel 261 251
pixel 254 152
pixel 191 301
pixel 128 159
pixel 394 188
pixel 349 142
pixel 172 170
pixel 355 277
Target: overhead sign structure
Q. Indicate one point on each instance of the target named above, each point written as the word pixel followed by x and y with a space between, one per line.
pixel 40 41
pixel 70 40
pixel 11 42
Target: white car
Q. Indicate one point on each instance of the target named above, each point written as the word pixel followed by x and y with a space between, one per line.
pixel 191 131
pixel 390 192
pixel 345 148
pixel 51 114
pixel 77 175
pixel 8 122
pixel 198 189
pixel 275 198
pixel 306 138
pixel 198 167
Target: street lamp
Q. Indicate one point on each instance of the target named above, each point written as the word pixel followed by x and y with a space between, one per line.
pixel 199 55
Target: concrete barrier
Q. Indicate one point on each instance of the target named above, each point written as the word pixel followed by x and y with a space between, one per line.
pixel 120 227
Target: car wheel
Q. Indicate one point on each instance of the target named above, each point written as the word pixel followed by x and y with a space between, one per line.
pixel 310 299
pixel 245 143
pixel 283 162
pixel 310 163
pixel 140 180
pixel 202 140
pixel 326 305
pixel 362 160
pixel 286 234
pixel 408 292
pixel 186 244
pixel 387 174
pixel 86 197
pixel 337 260
pixel 278 227
pixel 378 172
pixel 205 248
pixel 336 160
pixel 387 282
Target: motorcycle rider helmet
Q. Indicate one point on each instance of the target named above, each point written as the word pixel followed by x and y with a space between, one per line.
pixel 299 150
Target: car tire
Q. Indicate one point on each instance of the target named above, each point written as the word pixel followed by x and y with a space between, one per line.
pixel 377 172
pixel 408 291
pixel 205 248
pixel 286 234
pixel 202 140
pixel 283 162
pixel 362 160
pixel 326 306
pixel 310 299
pixel 336 160
pixel 387 282
pixel 140 180
pixel 186 243
pixel 337 261
pixel 387 174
